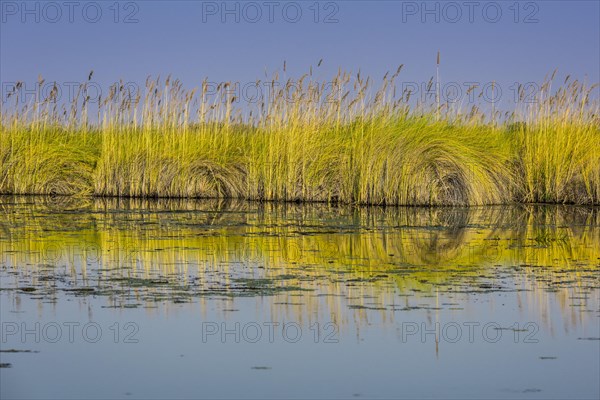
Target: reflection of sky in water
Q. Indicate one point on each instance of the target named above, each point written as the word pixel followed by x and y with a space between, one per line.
pixel 380 276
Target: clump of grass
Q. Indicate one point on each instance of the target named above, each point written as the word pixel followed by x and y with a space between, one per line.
pixel 559 156
pixel 303 142
pixel 51 161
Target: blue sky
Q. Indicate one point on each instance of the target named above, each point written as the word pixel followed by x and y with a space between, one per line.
pixel 195 39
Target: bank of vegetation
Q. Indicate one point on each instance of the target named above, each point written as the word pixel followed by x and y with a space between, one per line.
pixel 342 141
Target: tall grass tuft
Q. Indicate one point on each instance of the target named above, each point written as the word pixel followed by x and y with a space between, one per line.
pixel 559 152
pixel 342 141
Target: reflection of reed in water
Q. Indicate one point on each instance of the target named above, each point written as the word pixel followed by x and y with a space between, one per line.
pixel 362 254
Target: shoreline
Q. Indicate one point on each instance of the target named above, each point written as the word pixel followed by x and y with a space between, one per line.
pixel 48 198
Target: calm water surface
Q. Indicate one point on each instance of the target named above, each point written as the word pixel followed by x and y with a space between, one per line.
pixel 153 299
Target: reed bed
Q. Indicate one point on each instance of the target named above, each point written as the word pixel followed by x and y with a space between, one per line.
pixel 344 141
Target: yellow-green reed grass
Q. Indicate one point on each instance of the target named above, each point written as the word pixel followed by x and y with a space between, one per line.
pixel 341 141
pixel 41 154
pixel 559 156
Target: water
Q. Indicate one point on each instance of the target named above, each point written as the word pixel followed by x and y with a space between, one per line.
pixel 222 299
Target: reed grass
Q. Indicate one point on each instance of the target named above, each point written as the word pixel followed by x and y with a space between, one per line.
pixel 303 142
